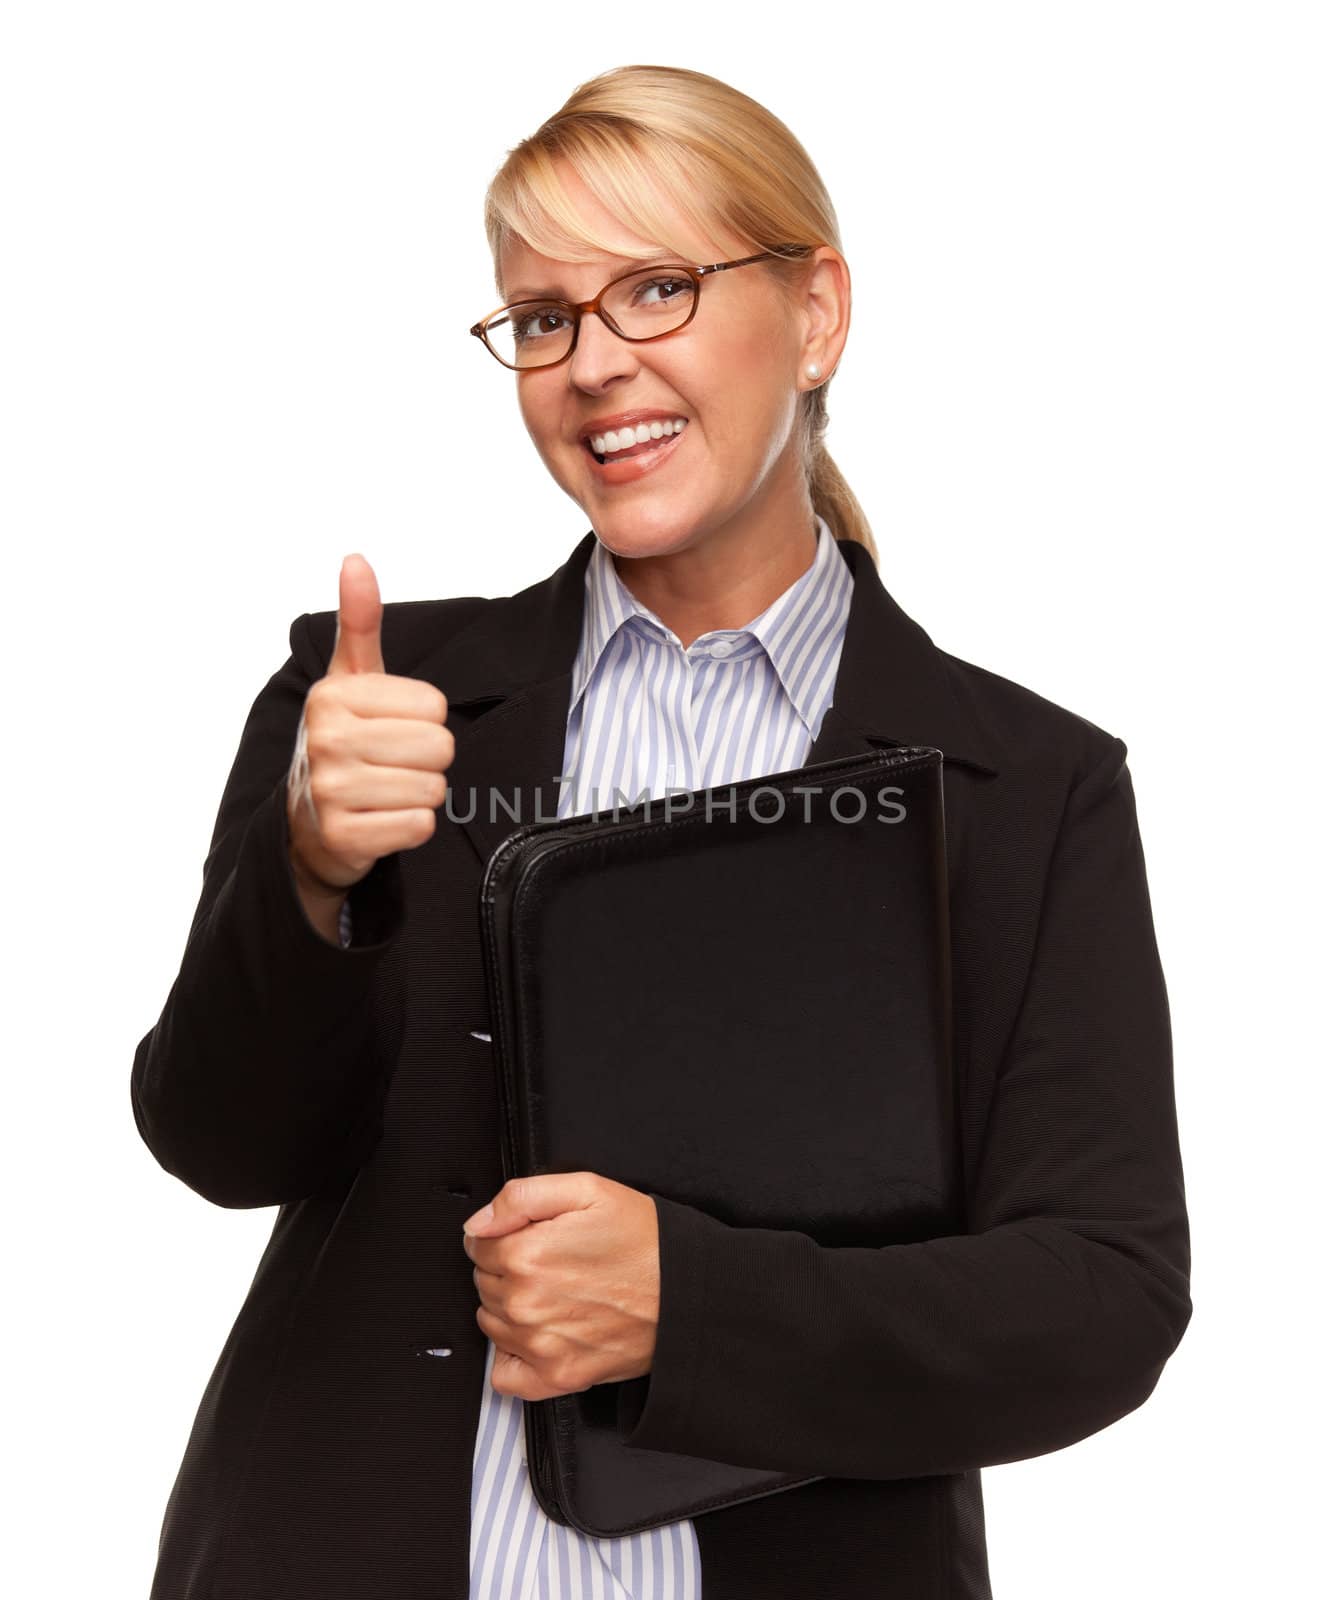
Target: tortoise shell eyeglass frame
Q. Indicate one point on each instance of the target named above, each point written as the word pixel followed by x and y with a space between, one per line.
pixel 578 307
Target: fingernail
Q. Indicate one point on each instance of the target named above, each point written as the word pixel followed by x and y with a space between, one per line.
pixel 479 1219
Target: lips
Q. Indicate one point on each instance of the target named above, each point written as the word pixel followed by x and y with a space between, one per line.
pixel 640 461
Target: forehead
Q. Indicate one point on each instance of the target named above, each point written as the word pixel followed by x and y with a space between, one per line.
pixel 526 273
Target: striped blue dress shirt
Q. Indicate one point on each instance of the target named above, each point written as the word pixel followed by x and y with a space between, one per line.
pixel 647 715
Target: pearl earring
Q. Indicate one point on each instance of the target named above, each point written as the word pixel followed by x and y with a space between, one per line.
pixel 813 370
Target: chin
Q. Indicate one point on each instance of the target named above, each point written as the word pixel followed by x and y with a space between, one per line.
pixel 628 536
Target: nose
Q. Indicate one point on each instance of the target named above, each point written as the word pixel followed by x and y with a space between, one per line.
pixel 599 354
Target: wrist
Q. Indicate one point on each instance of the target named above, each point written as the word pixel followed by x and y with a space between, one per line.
pixel 311 883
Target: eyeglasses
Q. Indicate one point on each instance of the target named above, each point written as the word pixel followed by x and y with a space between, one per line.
pixel 528 334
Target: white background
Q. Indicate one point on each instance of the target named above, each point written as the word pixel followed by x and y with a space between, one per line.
pixel 1091 403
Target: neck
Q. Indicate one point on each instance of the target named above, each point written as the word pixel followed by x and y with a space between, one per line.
pixel 723 580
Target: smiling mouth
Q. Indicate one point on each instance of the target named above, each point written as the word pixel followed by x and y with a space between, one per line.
pixel 642 447
pixel 634 450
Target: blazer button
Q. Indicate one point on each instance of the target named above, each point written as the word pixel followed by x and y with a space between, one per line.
pixel 432 1349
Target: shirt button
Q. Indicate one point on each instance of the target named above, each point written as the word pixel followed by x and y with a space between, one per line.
pixel 719 648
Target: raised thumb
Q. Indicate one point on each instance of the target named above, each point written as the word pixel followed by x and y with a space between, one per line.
pixel 359 620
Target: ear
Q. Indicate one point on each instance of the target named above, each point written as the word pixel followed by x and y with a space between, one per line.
pixel 823 313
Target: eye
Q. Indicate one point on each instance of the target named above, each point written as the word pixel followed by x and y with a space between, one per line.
pixel 549 320
pixel 676 284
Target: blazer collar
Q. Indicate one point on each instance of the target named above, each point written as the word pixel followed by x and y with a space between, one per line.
pixel 507 678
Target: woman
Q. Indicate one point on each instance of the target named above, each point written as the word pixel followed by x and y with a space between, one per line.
pixel 322 1047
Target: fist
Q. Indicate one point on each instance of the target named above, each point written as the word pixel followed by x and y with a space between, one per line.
pixel 372 752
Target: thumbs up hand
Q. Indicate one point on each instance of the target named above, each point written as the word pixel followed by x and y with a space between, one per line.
pixel 370 759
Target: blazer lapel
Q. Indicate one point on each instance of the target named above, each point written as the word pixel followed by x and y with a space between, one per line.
pixel 507 680
pixel 892 686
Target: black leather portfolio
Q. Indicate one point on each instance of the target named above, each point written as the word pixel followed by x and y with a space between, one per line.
pixel 738 998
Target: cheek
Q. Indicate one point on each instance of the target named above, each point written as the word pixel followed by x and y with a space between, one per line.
pixel 752 396
pixel 539 404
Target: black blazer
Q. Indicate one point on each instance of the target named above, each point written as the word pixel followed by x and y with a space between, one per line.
pixel 331 1457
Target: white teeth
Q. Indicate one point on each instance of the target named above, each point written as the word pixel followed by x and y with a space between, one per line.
pixel 606 444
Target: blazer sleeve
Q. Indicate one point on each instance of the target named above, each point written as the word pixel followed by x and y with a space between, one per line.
pixel 265 1074
pixel 1050 1318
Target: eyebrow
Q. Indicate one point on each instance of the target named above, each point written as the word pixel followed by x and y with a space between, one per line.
pixel 551 292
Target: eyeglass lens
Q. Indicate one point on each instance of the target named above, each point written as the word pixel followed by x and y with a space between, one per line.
pixel 642 305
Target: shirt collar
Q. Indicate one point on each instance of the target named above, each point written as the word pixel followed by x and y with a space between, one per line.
pixel 801 630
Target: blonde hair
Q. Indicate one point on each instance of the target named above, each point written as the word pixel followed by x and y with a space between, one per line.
pixel 637 136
